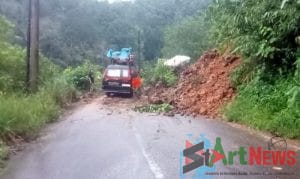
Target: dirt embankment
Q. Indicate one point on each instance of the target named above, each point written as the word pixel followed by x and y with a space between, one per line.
pixel 203 86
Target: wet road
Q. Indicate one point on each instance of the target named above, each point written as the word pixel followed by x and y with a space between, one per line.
pixel 108 141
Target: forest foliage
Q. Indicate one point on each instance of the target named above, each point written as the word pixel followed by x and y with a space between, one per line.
pixel 73 30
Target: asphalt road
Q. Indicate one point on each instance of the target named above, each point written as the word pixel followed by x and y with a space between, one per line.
pixel 106 140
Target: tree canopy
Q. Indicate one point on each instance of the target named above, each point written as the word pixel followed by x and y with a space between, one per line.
pixel 74 30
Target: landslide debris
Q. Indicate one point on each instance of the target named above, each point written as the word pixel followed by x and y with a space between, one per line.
pixel 203 87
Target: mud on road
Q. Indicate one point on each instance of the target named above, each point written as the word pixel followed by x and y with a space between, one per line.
pixel 118 102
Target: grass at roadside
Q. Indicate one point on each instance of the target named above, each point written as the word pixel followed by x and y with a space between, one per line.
pixel 24 115
pixel 267 106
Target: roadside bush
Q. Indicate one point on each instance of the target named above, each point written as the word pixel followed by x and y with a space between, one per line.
pixel 60 90
pixel 159 73
pixel 12 58
pixel 294 93
pixel 12 61
pixel 264 105
pixel 48 70
pixel 79 75
pixel 147 73
pixel 287 123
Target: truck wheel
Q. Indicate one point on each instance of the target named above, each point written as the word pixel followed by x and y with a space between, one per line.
pixel 130 95
pixel 108 94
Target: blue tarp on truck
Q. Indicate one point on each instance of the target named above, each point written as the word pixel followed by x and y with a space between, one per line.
pixel 122 55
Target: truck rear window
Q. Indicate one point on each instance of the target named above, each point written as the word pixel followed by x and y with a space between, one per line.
pixel 114 73
pixel 117 73
pixel 125 73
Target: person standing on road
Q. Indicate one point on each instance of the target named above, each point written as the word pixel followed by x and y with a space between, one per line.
pixel 137 84
pixel 91 80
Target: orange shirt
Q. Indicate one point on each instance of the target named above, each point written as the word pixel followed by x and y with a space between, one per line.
pixel 136 82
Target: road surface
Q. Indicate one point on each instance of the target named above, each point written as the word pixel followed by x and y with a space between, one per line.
pixel 106 140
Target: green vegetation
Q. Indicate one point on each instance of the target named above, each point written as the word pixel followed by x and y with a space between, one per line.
pixel 23 114
pixel 155 108
pixel 74 30
pixel 268 45
pixel 265 33
pixel 189 37
pixel 159 73
pixel 11 57
pixel 269 105
pixel 264 105
pixel 79 75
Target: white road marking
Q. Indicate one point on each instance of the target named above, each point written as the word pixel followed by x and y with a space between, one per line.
pixel 153 166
